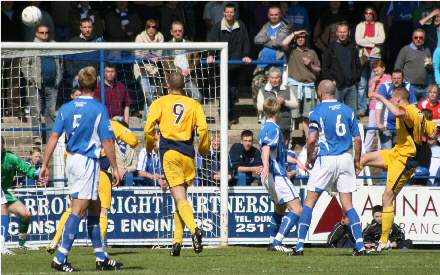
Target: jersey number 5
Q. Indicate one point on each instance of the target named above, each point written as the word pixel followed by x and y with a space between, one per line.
pixel 340 126
pixel 178 111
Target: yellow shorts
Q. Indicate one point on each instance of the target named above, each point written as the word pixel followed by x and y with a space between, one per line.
pixel 398 174
pixel 178 168
pixel 105 189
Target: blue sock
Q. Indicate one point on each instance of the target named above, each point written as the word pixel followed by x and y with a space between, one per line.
pixel 288 222
pixel 303 226
pixel 95 235
pixel 69 234
pixel 356 228
pixel 5 226
pixel 275 225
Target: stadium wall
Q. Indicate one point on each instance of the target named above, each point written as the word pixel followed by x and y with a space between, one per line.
pixel 135 217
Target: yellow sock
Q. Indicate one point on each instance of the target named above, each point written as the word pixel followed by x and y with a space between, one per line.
pixel 387 223
pixel 103 224
pixel 178 230
pixel 187 215
pixel 61 225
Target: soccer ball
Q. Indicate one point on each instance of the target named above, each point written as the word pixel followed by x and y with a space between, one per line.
pixel 31 16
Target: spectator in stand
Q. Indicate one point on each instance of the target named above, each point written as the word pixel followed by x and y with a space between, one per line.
pixel 399 22
pixel 285 96
pixel 11 18
pixel 245 159
pixel 146 71
pixel 341 235
pixel 60 14
pixel 117 99
pixel 432 30
pixel 46 19
pixel 183 61
pixel 121 23
pixel 325 28
pixel 235 33
pixel 270 37
pixel 340 63
pixel 297 17
pixel 171 11
pixel 82 11
pixel 35 159
pixel 43 75
pixel 434 152
pixel 149 165
pixel 373 232
pixel 87 32
pixel 126 156
pixel 208 167
pixel 387 130
pixel 213 13
pixel 436 65
pixel 415 61
pixel 304 68
pixel 424 9
pixel 370 36
pixel 432 102
pixel 379 77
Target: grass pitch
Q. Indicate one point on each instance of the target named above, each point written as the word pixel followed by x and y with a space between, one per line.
pixel 235 260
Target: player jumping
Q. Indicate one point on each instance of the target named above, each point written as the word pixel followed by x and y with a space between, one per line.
pixel 401 160
pixel 11 164
pixel 88 130
pixel 332 126
pixel 178 116
pixel 274 177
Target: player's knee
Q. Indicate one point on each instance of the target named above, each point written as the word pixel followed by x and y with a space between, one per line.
pixel 387 198
pixel 104 212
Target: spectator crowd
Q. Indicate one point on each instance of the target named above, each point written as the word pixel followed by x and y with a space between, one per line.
pixel 364 47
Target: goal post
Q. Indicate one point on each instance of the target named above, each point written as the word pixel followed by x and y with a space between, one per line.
pixel 33 49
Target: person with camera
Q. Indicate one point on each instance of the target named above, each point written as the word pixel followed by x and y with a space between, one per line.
pixel 373 232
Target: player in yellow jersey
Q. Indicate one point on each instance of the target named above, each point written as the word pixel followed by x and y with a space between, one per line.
pixel 178 116
pixel 401 160
pixel 123 135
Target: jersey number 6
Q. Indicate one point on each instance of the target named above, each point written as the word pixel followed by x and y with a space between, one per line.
pixel 178 111
pixel 340 126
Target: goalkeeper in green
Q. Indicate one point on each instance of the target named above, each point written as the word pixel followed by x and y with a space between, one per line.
pixel 11 165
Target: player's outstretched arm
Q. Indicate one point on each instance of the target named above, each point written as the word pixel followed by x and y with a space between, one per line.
pixel 50 147
pixel 109 148
pixel 125 134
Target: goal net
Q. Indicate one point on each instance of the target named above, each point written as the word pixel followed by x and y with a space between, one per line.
pixel 37 78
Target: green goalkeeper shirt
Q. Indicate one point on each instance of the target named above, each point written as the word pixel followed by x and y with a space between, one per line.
pixel 11 164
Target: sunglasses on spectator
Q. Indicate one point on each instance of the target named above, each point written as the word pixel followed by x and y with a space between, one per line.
pixel 302 36
pixel 368 12
pixel 43 32
pixel 418 37
pixel 151 27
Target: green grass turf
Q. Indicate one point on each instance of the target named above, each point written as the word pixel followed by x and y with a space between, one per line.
pixel 235 260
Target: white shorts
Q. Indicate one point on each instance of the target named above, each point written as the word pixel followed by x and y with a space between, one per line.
pixel 3 199
pixel 82 175
pixel 280 189
pixel 333 174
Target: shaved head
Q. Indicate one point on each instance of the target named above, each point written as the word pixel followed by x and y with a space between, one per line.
pixel 326 88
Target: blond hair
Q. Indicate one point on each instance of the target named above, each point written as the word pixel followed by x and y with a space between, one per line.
pixel 175 81
pixel 271 107
pixel 402 93
pixel 87 79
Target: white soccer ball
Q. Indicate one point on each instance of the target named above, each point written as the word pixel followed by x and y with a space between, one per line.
pixel 31 16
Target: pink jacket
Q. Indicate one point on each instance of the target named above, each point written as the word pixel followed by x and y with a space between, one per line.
pixel 375 87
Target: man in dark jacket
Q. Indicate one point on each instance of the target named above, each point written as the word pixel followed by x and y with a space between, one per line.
pixel 340 63
pixel 341 236
pixel 373 232
pixel 235 33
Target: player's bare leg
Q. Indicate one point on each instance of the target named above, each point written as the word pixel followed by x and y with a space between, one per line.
pixel 4 230
pixel 373 159
pixel 185 210
pixel 20 210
